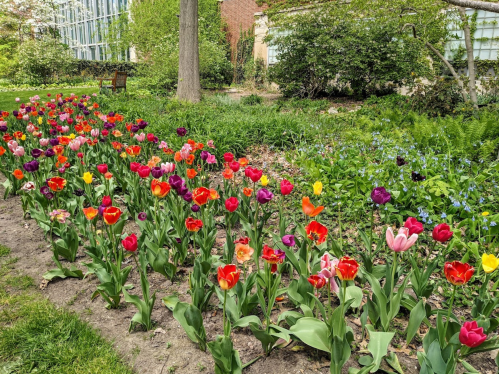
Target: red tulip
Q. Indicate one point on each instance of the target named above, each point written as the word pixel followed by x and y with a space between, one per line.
pixel 228 276
pixel 200 195
pixel 414 226
pixel 107 201
pixel 442 233
pixel 160 189
pixel 111 215
pixel 130 243
pixel 144 171
pixel 234 166
pixel 150 137
pixel 316 232
pixel 228 157
pixel 317 280
pixel 231 204
pixel 134 166
pixel 102 168
pixel 286 187
pixel 471 335
pixel 253 174
pixel 458 273
pixel 347 268
pixel 193 225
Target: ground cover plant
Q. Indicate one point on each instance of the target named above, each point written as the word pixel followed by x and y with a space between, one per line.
pixel 342 237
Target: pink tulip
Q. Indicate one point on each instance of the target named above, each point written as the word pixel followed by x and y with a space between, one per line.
pixel 18 99
pixel 210 144
pixel 471 335
pixel 163 144
pixel 95 133
pixel 12 144
pixel 64 129
pixel 19 151
pixel 74 145
pixel 402 242
pixel 211 159
pixel 168 167
pixel 26 117
pixel 3 123
pixel 70 121
pixel 328 270
pixel 185 151
pixel 44 142
pixel 30 128
pixel 141 137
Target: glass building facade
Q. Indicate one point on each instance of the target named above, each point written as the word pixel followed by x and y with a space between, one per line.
pixel 83 26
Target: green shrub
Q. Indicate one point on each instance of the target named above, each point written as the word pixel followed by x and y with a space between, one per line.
pixel 439 98
pixel 251 100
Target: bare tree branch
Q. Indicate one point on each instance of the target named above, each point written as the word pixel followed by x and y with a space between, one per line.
pixel 469 54
pixel 475 4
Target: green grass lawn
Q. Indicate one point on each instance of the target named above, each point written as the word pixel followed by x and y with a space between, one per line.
pixel 8 99
pixel 35 336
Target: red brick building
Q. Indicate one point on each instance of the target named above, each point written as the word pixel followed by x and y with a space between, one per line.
pixel 239 16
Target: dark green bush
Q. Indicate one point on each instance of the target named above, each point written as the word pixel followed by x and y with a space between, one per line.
pixel 104 68
pixel 251 100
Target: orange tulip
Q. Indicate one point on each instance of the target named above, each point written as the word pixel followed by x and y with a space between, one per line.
pixel 214 194
pixel 133 150
pixel 190 159
pixel 90 213
pixel 228 174
pixel 56 183
pixel 243 162
pixel 193 225
pixel 228 276
pixel 243 252
pixel 309 209
pixel 247 191
pixel 177 157
pixel 18 174
pixel 191 173
pixel 160 189
pixel 2 150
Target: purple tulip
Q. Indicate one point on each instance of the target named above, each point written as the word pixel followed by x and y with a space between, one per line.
pixel 102 207
pixel 263 196
pixel 44 190
pixel 54 142
pixel 288 240
pixel 31 166
pixel 142 216
pixel 49 152
pixel 49 195
pixel 15 113
pixel 181 131
pixel 79 192
pixel 134 128
pixel 36 152
pixel 111 114
pixel 187 197
pixel 175 181
pixel 142 124
pixel 157 172
pixel 40 113
pixel 380 195
pixel 3 128
pixel 195 208
pixel 204 155
pixel 183 190
pixel 62 170
pixel 178 240
pixel 53 132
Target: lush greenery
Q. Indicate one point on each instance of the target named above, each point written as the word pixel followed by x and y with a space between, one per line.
pixel 36 336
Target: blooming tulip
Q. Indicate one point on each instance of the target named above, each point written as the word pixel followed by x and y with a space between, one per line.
pixel 328 270
pixel 59 215
pixel 231 204
pixel 402 242
pixel 288 240
pixel 102 168
pixel 441 233
pixel 471 335
pixel 317 280
pixel 168 167
pixel 228 276
pixel 56 183
pixel 87 177
pixel 458 273
pixel 18 174
pixel 414 226
pixel 286 187
pixel 90 213
pixel 234 166
pixel 317 188
pixel 130 243
pixel 316 232
pixel 263 196
pixel 228 157
pixel 181 131
pixel 111 215
pixel 309 209
pixel 489 263
pixel 200 195
pixel 347 268
pixel 253 174
pixel 380 195
pixel 193 225
pixel 160 189
pixel 144 171
pixel 243 252
pixel 273 256
pixel 264 180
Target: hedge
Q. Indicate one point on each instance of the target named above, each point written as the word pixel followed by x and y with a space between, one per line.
pixel 104 68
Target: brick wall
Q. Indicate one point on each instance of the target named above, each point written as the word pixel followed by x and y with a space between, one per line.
pixel 239 15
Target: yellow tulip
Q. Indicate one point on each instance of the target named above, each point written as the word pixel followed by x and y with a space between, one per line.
pixel 85 103
pixel 40 120
pixel 264 180
pixel 88 177
pixel 72 136
pixel 23 137
pixel 489 263
pixel 317 188
pixel 123 155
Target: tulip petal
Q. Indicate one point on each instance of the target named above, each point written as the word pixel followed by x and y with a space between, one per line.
pixel 410 242
pixel 389 238
pixel 399 243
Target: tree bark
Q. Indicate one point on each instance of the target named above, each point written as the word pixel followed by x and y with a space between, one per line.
pixel 428 45
pixel 482 5
pixel 189 87
pixel 471 59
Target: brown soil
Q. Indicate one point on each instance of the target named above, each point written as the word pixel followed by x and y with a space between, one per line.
pixel 167 349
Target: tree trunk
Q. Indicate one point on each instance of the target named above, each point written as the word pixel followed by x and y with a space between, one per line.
pixel 482 5
pixel 471 59
pixel 189 87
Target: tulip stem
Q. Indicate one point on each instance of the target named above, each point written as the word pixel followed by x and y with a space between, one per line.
pixel 371 234
pixel 225 302
pixel 394 270
pixel 429 253
pixel 449 311
pixel 343 299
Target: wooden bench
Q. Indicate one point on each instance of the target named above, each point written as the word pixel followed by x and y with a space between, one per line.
pixel 119 81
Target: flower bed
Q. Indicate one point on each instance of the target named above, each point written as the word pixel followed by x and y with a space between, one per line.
pixel 82 175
